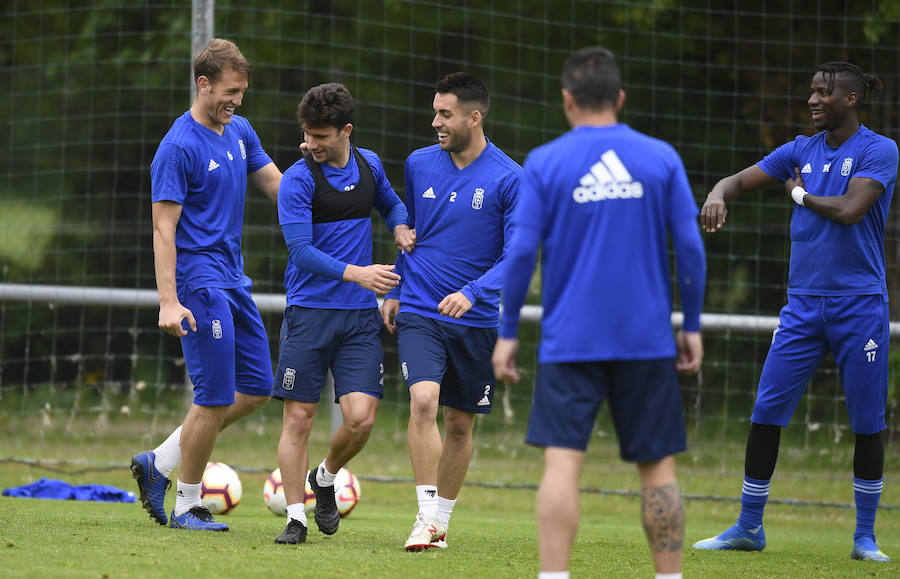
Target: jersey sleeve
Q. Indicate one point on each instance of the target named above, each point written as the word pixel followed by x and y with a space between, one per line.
pixel 304 255
pixel 257 158
pixel 386 201
pixel 779 164
pixel 410 197
pixel 169 174
pixel 879 162
pixel 295 195
pixel 521 250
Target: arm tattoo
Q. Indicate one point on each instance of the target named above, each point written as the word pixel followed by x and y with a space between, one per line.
pixel 663 516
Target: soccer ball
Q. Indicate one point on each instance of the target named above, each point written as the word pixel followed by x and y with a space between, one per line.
pixel 273 493
pixel 220 489
pixel 346 491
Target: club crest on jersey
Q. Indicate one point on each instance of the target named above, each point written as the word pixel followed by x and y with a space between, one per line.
pixel 478 198
pixel 217 329
pixel 845 168
pixel 243 150
pixel 288 381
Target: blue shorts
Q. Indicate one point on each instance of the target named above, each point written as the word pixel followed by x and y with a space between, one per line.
pixel 455 356
pixel 229 351
pixel 644 400
pixel 856 329
pixel 314 340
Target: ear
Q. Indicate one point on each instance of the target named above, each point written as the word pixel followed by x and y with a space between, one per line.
pixel 620 102
pixel 568 100
pixel 346 130
pixel 851 99
pixel 203 85
pixel 475 118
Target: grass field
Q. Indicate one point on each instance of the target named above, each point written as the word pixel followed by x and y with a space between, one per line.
pixel 492 533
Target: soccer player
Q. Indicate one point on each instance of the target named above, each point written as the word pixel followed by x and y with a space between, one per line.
pixel 325 209
pixel 841 180
pixel 602 200
pixel 199 182
pixel 460 194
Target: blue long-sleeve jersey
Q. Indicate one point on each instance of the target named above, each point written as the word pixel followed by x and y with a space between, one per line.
pixel 463 220
pixel 602 202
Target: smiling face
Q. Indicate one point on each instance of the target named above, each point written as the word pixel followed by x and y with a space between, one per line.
pixel 830 110
pixel 219 100
pixel 452 122
pixel 328 144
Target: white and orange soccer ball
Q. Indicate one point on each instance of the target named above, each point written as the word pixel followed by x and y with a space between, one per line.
pixel 220 489
pixel 346 491
pixel 273 494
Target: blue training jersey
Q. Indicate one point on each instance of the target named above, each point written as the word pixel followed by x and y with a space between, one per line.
pixel 829 258
pixel 346 240
pixel 462 218
pixel 603 202
pixel 206 173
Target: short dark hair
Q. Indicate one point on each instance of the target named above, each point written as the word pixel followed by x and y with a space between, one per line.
pixel 468 90
pixel 592 76
pixel 216 56
pixel 326 105
pixel 863 84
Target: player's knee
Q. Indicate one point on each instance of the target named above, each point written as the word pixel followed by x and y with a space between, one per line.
pixel 423 405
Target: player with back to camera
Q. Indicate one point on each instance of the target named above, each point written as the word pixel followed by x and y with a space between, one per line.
pixel 199 182
pixel 602 201
pixel 460 194
pixel 332 320
pixel 841 180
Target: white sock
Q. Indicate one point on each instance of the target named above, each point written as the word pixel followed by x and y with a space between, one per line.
pixel 668 576
pixel 168 454
pixel 187 497
pixel 445 509
pixel 553 575
pixel 297 512
pixel 428 500
pixel 323 477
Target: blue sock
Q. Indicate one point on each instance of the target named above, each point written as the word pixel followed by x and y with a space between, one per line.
pixel 867 494
pixel 754 495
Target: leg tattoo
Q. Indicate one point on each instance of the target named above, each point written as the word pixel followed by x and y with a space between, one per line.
pixel 663 518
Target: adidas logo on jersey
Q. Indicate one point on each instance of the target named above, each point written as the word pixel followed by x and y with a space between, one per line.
pixel 870 345
pixel 607 179
pixel 806 168
pixel 212 165
pixel 428 194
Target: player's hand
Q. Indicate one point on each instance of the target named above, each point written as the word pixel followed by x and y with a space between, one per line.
pixel 454 305
pixel 170 316
pixel 504 360
pixel 690 352
pixel 796 181
pixel 713 213
pixel 404 238
pixel 376 277
pixel 389 309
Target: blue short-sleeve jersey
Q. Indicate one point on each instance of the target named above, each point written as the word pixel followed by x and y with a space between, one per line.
pixel 602 202
pixel 462 218
pixel 827 257
pixel 206 173
pixel 346 240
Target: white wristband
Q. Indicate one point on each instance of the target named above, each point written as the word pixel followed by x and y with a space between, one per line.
pixel 797 194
